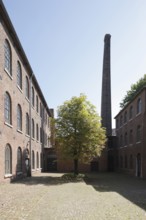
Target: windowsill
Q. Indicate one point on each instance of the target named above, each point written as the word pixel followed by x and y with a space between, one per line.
pixel 8 175
pixel 138 114
pixel 19 89
pixel 138 142
pixel 19 173
pixel 27 99
pixel 6 123
pixel 33 170
pixel 8 73
pixel 19 131
pixel 27 135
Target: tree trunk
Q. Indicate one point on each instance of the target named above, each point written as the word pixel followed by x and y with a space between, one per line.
pixel 76 172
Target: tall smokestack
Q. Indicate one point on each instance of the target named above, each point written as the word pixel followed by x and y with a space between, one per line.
pixel 106 88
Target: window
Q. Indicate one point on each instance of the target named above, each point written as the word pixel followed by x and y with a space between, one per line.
pixel 131 112
pixel 121 120
pixel 139 106
pixel 19 75
pixel 138 135
pixel 19 160
pixel 37 160
pixel 125 139
pixel 40 110
pixel 37 103
pixel 33 160
pixel 8 109
pixel 8 58
pixel 131 162
pixel 117 123
pixel 41 135
pixel 37 132
pixel 121 161
pixel 33 132
pixel 27 123
pixel 27 87
pixel 131 136
pixel 125 117
pixel 19 118
pixel 32 96
pixel 8 160
pixel 125 161
pixel 121 141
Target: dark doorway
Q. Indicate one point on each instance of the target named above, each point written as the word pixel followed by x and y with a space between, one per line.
pixel 110 163
pixel 51 164
pixel 94 166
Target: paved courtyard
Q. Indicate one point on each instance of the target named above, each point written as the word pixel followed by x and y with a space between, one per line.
pixel 103 196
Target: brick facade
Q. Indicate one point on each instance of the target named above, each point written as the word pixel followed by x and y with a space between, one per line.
pixel 9 134
pixel 130 152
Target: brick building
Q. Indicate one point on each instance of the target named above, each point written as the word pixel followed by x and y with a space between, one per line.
pixel 24 113
pixel 129 155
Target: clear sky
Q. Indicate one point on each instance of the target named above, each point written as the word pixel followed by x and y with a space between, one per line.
pixel 63 40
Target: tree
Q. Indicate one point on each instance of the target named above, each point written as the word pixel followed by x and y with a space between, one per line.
pixel 135 88
pixel 78 131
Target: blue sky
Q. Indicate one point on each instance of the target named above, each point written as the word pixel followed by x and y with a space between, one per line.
pixel 63 40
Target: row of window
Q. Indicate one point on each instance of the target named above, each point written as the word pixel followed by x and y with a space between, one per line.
pixel 20 160
pixel 125 162
pixel 124 118
pixel 129 139
pixel 8 68
pixel 8 119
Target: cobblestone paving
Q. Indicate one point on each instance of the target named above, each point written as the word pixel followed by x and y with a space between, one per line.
pixel 103 196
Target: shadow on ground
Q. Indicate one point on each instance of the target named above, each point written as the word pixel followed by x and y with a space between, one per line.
pixel 46 179
pixel 129 187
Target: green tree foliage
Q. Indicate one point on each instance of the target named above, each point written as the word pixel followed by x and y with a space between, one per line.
pixel 135 88
pixel 78 131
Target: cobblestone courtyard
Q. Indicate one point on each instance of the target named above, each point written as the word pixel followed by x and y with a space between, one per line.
pixel 103 196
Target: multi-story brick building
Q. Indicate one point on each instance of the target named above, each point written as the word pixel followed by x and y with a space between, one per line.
pixel 130 152
pixel 24 113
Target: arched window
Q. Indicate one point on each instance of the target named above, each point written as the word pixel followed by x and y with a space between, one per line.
pixel 125 161
pixel 131 136
pixel 131 161
pixel 19 75
pixel 33 132
pixel 139 106
pixel 27 87
pixel 121 162
pixel 32 96
pixel 19 160
pixel 8 159
pixel 8 108
pixel 8 58
pixel 33 160
pixel 41 160
pixel 19 118
pixel 37 160
pixel 37 132
pixel 121 120
pixel 138 134
pixel 125 117
pixel 37 103
pixel 125 139
pixel 131 112
pixel 27 123
pixel 40 110
pixel 121 140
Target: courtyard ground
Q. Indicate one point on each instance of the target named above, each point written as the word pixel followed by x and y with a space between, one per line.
pixel 101 196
